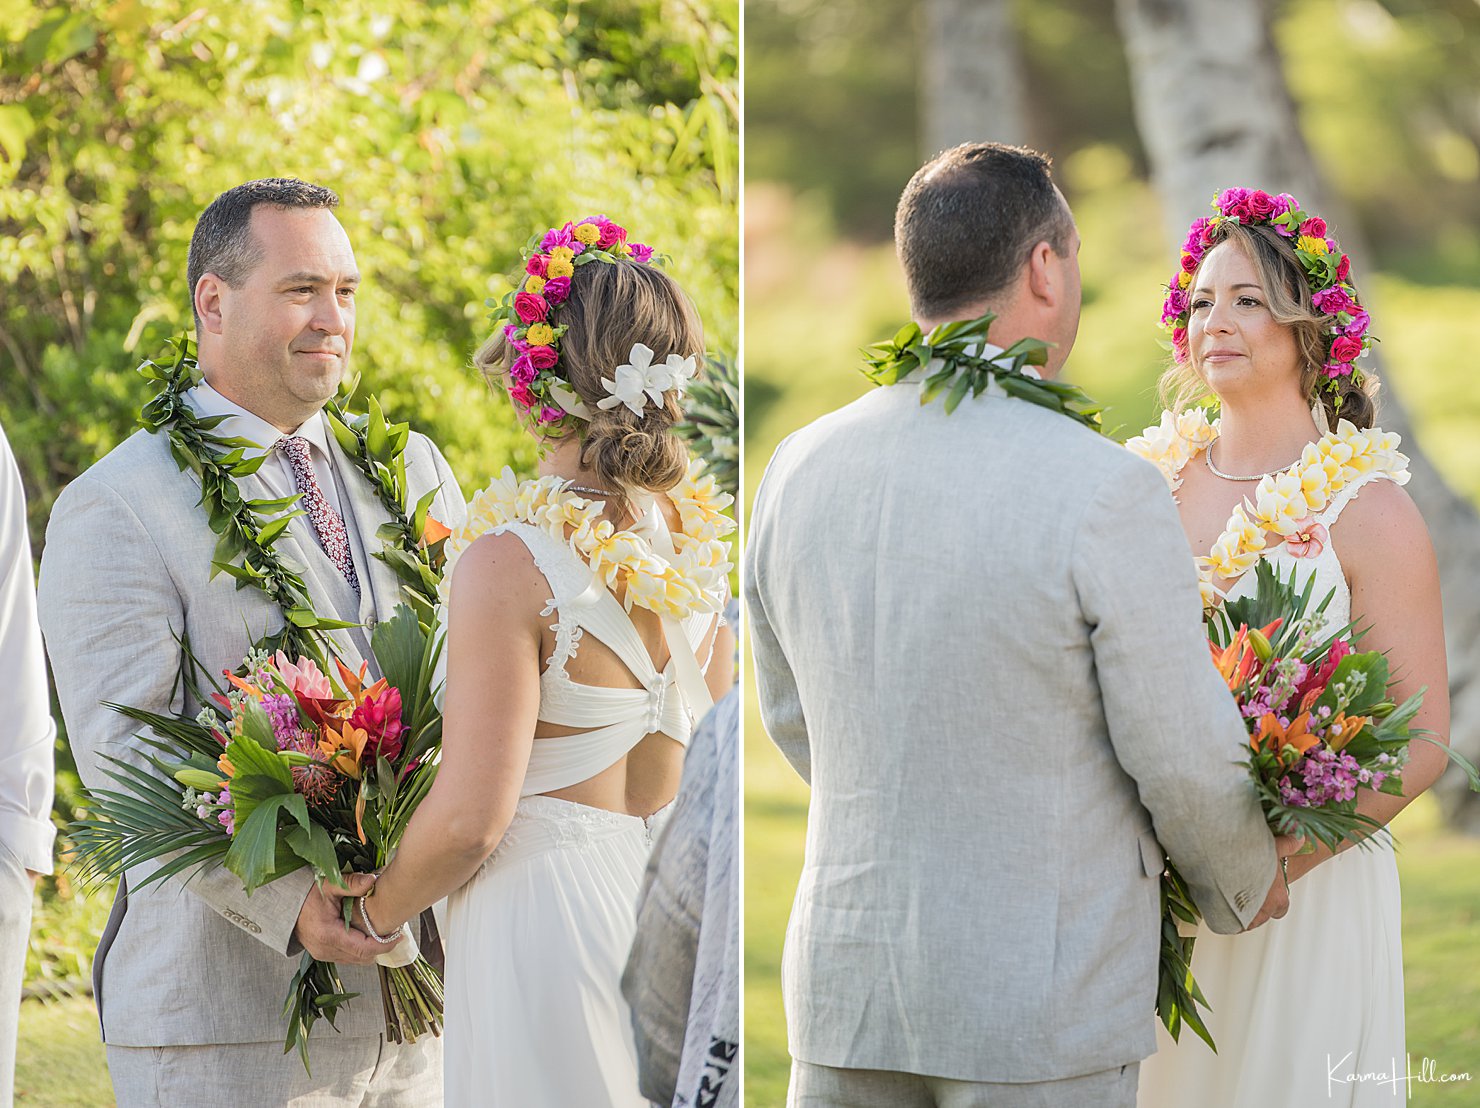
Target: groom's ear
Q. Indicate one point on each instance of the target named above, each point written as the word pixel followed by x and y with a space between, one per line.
pixel 1042 275
pixel 208 293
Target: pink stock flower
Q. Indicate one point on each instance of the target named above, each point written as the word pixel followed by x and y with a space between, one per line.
pixel 1308 539
pixel 641 252
pixel 551 415
pixel 531 307
pixel 523 371
pixel 1338 369
pixel 1359 324
pixel 1331 301
pixel 560 236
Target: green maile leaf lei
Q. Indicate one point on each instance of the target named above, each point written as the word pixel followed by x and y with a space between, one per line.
pixel 951 354
pixel 247 529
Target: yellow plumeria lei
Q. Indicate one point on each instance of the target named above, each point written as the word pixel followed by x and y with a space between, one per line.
pixel 691 581
pixel 1282 502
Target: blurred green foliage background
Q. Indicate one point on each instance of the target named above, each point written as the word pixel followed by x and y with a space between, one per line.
pixel 1388 95
pixel 452 131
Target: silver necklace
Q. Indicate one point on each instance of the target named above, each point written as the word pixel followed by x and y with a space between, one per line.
pixel 1208 458
pixel 594 492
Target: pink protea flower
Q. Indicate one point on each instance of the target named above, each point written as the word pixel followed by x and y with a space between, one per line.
pixel 304 678
pixel 316 783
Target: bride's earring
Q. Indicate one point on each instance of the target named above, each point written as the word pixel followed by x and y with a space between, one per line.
pixel 1318 413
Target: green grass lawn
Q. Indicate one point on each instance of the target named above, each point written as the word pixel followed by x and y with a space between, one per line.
pixel 59 1056
pixel 811 303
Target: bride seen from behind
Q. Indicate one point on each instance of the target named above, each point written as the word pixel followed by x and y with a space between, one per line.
pixel 1304 1007
pixel 583 615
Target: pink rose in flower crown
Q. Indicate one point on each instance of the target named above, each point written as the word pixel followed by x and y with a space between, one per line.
pixel 1179 337
pixel 531 307
pixel 521 395
pixel 1343 268
pixel 380 718
pixel 1208 232
pixel 557 289
pixel 611 234
pixel 1346 348
pixel 535 267
pixel 1261 204
pixel 1315 227
pixel 1332 301
pixel 1190 263
pixel 543 357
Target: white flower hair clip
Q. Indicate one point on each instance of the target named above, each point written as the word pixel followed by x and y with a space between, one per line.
pixel 639 380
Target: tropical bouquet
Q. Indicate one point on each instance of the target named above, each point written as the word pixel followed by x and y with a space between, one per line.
pixel 1322 727
pixel 292 767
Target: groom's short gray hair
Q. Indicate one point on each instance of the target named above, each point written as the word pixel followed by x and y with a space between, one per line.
pixel 222 242
pixel 967 221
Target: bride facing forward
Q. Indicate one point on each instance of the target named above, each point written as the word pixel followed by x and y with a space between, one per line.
pixel 1308 1008
pixel 582 619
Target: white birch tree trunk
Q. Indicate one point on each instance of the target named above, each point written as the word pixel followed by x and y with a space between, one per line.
pixel 971 75
pixel 1214 111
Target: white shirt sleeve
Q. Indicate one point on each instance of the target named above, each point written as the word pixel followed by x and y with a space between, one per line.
pixel 27 733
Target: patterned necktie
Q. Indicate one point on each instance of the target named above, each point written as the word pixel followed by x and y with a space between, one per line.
pixel 327 523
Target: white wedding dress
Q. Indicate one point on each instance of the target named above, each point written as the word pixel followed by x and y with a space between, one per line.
pixel 538 937
pixel 1305 1009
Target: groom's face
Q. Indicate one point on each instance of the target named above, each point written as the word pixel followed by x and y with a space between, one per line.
pixel 289 328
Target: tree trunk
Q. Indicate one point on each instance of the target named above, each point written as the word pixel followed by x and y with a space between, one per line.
pixel 1214 111
pixel 971 75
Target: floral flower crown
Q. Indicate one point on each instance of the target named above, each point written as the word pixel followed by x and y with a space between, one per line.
pixel 538 386
pixel 1327 271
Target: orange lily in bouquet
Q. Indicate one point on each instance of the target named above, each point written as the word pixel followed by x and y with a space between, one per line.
pixel 1321 729
pixel 295 769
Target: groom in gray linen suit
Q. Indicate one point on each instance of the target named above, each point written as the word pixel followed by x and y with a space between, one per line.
pixel 976 637
pixel 190 978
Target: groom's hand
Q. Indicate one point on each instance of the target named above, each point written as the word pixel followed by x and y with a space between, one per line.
pixel 1277 902
pixel 321 927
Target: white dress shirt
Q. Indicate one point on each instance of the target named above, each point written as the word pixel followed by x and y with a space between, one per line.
pixel 27 732
pixel 240 423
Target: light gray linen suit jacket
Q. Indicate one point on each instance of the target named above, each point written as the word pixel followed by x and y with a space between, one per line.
pixel 126 568
pixel 977 637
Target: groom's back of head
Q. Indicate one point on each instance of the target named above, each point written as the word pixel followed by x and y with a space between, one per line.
pixel 967 221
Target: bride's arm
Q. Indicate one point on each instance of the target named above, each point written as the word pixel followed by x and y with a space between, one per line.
pixel 492 702
pixel 1389 560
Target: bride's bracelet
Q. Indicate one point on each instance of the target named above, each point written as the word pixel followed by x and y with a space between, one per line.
pixel 391 940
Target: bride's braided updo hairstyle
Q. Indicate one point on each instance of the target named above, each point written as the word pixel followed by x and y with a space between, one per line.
pixel 1307 283
pixel 604 307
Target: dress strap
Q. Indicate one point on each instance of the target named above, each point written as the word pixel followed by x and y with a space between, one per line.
pixel 1334 506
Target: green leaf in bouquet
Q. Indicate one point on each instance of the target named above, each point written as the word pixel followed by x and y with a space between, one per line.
pixel 257 855
pixel 1362 679
pixel 399 644
pixel 257 727
pixel 313 845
